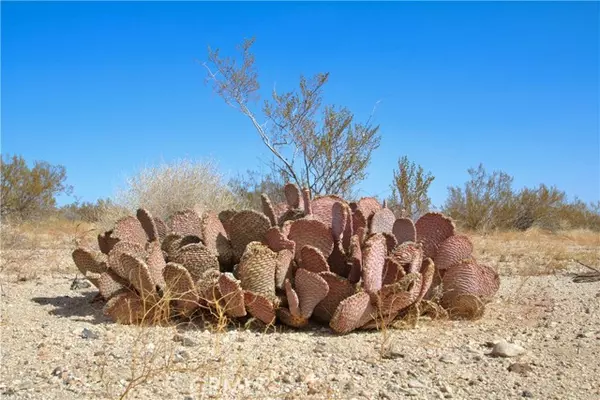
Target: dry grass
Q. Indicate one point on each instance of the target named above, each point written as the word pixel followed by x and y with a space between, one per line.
pixel 169 187
pixel 537 252
pixel 42 247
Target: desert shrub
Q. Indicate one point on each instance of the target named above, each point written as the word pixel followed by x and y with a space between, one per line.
pixel 485 202
pixel 27 192
pixel 84 211
pixel 578 214
pixel 488 201
pixel 249 187
pixel 409 189
pixel 319 146
pixel 168 187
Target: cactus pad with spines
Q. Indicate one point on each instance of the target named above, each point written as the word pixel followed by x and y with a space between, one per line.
pixel 87 260
pixel 339 290
pixel 383 221
pixel 256 270
pixel 186 222
pixel 352 313
pixel 452 251
pixel 232 296
pixel 311 289
pixel 312 259
pixel 260 307
pixel 292 195
pixel 148 224
pixel 182 292
pixel 404 230
pixel 311 232
pixel 129 229
pixel 196 258
pixel 432 229
pixel 374 255
pixel 215 238
pixel 244 227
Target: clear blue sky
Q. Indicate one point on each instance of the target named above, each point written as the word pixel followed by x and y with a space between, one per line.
pixel 105 88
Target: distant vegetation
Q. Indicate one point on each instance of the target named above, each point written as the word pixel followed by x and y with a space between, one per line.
pixel 28 191
pixel 486 202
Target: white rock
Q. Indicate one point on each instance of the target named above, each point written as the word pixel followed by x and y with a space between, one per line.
pixel 506 349
pixel 414 384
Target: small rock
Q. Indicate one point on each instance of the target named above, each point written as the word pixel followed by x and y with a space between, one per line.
pixel 89 334
pixel 80 283
pixel 319 348
pixel 415 384
pixel 446 359
pixel 527 393
pixel 312 389
pixel 392 355
pixel 58 371
pixel 309 378
pixel 184 340
pixel 520 368
pixel 445 388
pixel 584 335
pixel 181 356
pixel 99 353
pixel 505 349
pixel 384 395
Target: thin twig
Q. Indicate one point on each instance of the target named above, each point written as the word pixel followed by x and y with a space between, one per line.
pixel 587 266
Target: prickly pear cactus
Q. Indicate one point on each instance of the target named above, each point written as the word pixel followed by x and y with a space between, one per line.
pixel 349 265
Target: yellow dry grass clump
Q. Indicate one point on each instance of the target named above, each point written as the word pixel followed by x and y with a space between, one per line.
pixel 536 251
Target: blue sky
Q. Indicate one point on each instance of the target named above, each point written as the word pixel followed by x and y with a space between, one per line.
pixel 105 88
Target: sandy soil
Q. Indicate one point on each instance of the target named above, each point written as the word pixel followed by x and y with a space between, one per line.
pixel 56 344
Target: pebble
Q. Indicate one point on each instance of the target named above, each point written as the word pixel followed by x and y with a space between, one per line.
pixel 506 349
pixel 89 334
pixel 181 356
pixel 527 393
pixel 447 359
pixel 415 384
pixel 445 388
pixel 184 340
pixel 520 368
pixel 393 354
pixel 80 283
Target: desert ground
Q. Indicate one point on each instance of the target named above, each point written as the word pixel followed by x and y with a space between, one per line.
pixel 57 344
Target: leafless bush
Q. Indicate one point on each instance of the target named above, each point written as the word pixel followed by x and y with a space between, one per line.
pixel 169 187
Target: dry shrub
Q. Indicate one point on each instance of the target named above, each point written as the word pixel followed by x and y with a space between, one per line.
pixel 169 187
pixel 537 251
pixel 488 202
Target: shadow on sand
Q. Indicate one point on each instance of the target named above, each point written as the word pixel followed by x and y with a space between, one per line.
pixel 78 307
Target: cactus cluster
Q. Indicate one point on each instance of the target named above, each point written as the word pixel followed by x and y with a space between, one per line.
pixel 348 265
